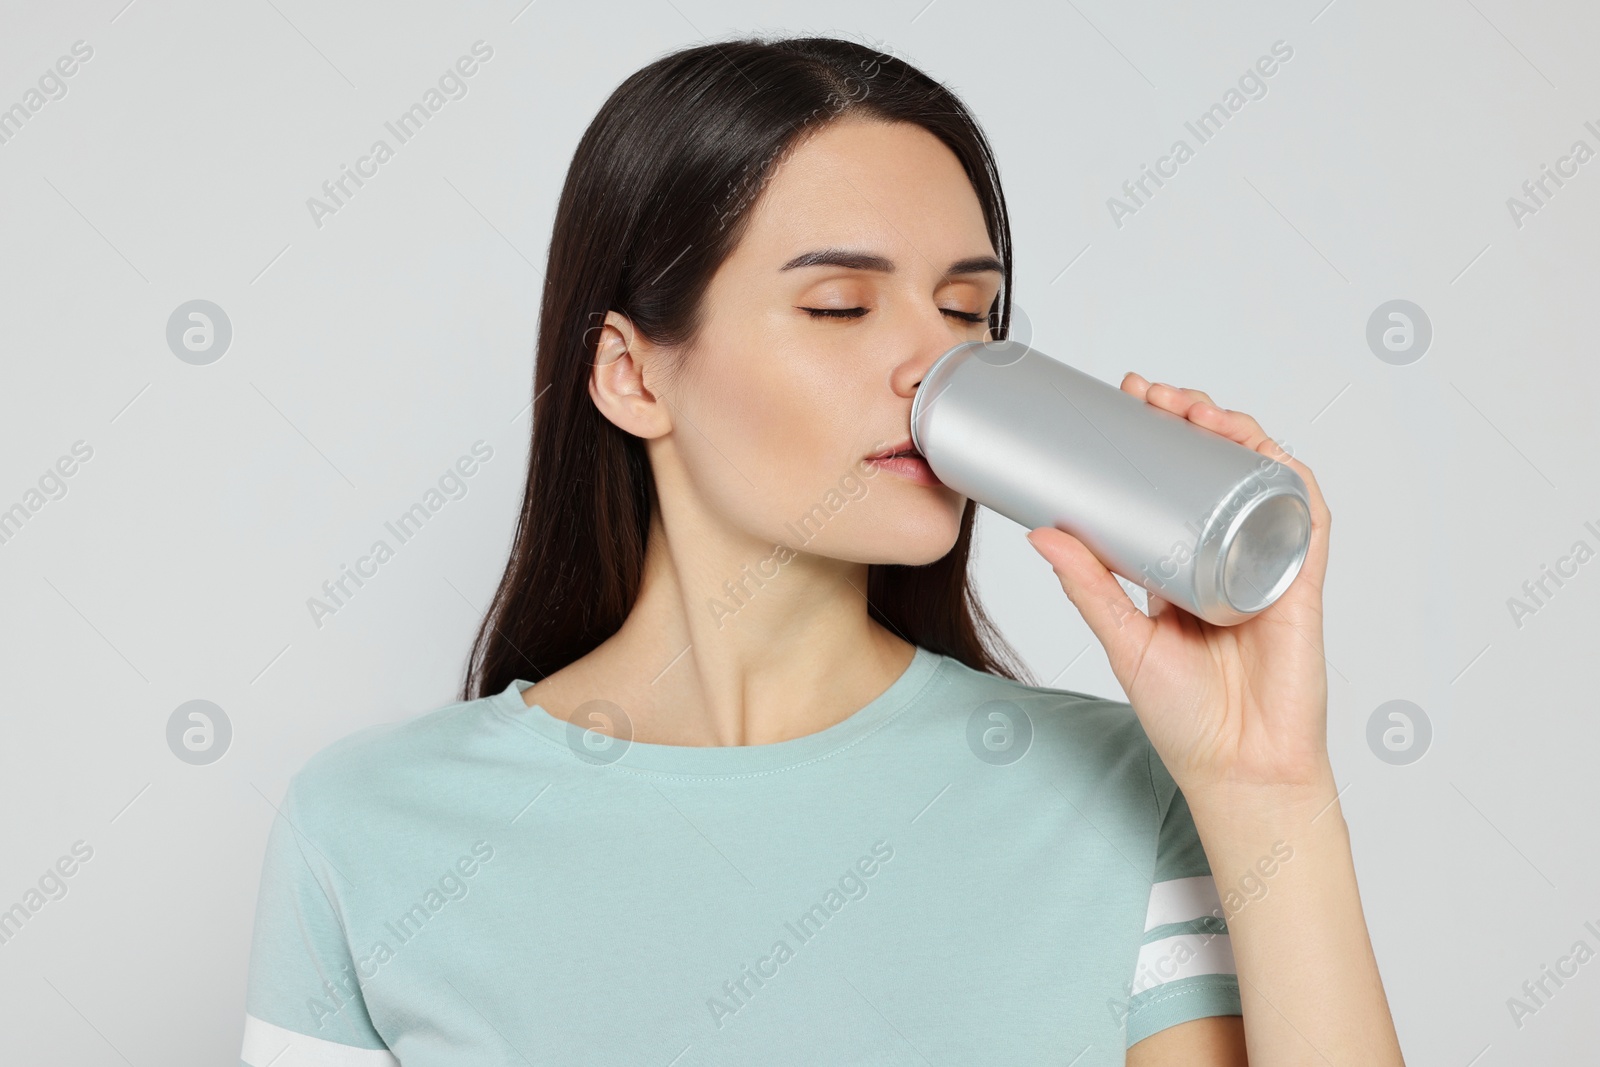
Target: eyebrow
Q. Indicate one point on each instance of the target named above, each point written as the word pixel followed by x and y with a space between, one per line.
pixel 844 257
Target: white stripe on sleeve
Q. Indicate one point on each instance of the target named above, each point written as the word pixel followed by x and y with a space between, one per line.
pixel 265 1043
pixel 1179 900
pixel 1168 959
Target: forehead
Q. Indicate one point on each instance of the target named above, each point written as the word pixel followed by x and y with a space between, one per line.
pixel 891 186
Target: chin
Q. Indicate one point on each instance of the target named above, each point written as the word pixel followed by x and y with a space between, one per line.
pixel 911 533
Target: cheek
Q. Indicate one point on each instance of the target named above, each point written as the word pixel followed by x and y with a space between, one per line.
pixel 777 432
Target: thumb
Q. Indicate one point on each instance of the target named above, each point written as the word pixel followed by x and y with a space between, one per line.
pixel 1111 614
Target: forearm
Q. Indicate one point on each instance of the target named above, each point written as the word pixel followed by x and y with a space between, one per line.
pixel 1308 980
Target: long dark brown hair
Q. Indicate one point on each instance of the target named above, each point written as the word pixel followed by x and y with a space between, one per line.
pixel 655 199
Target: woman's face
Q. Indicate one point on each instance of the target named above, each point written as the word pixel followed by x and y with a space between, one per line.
pixel 778 406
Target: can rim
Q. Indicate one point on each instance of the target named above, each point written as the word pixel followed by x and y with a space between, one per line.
pixel 1218 543
pixel 934 383
pixel 1266 599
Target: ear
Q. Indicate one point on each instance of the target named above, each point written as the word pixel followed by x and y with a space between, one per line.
pixel 622 360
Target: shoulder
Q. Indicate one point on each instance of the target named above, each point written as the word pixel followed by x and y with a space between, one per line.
pixel 1085 715
pixel 1081 732
pixel 382 767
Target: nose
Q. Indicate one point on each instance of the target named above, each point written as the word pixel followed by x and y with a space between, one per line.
pixel 925 349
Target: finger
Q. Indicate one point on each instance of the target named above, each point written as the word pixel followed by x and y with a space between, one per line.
pixel 1200 409
pixel 1234 425
pixel 1197 406
pixel 1242 429
pixel 1173 399
pixel 1111 615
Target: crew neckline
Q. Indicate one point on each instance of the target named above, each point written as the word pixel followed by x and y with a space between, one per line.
pixel 727 759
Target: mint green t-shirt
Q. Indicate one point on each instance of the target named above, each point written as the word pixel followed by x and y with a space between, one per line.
pixel 966 870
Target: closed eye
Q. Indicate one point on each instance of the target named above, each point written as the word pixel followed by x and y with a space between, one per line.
pixel 856 313
pixel 835 313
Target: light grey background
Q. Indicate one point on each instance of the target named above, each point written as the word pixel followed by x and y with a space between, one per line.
pixel 370 353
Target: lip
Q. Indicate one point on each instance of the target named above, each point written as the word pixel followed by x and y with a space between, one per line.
pixel 903 446
pixel 912 466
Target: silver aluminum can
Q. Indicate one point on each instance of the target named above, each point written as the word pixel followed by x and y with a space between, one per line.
pixel 1198 520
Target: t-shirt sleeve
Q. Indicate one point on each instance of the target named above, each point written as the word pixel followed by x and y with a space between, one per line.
pixel 1185 967
pixel 303 1003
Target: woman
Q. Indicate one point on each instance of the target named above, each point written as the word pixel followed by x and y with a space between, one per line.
pixel 774 793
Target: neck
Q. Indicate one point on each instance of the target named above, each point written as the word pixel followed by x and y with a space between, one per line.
pixel 735 642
